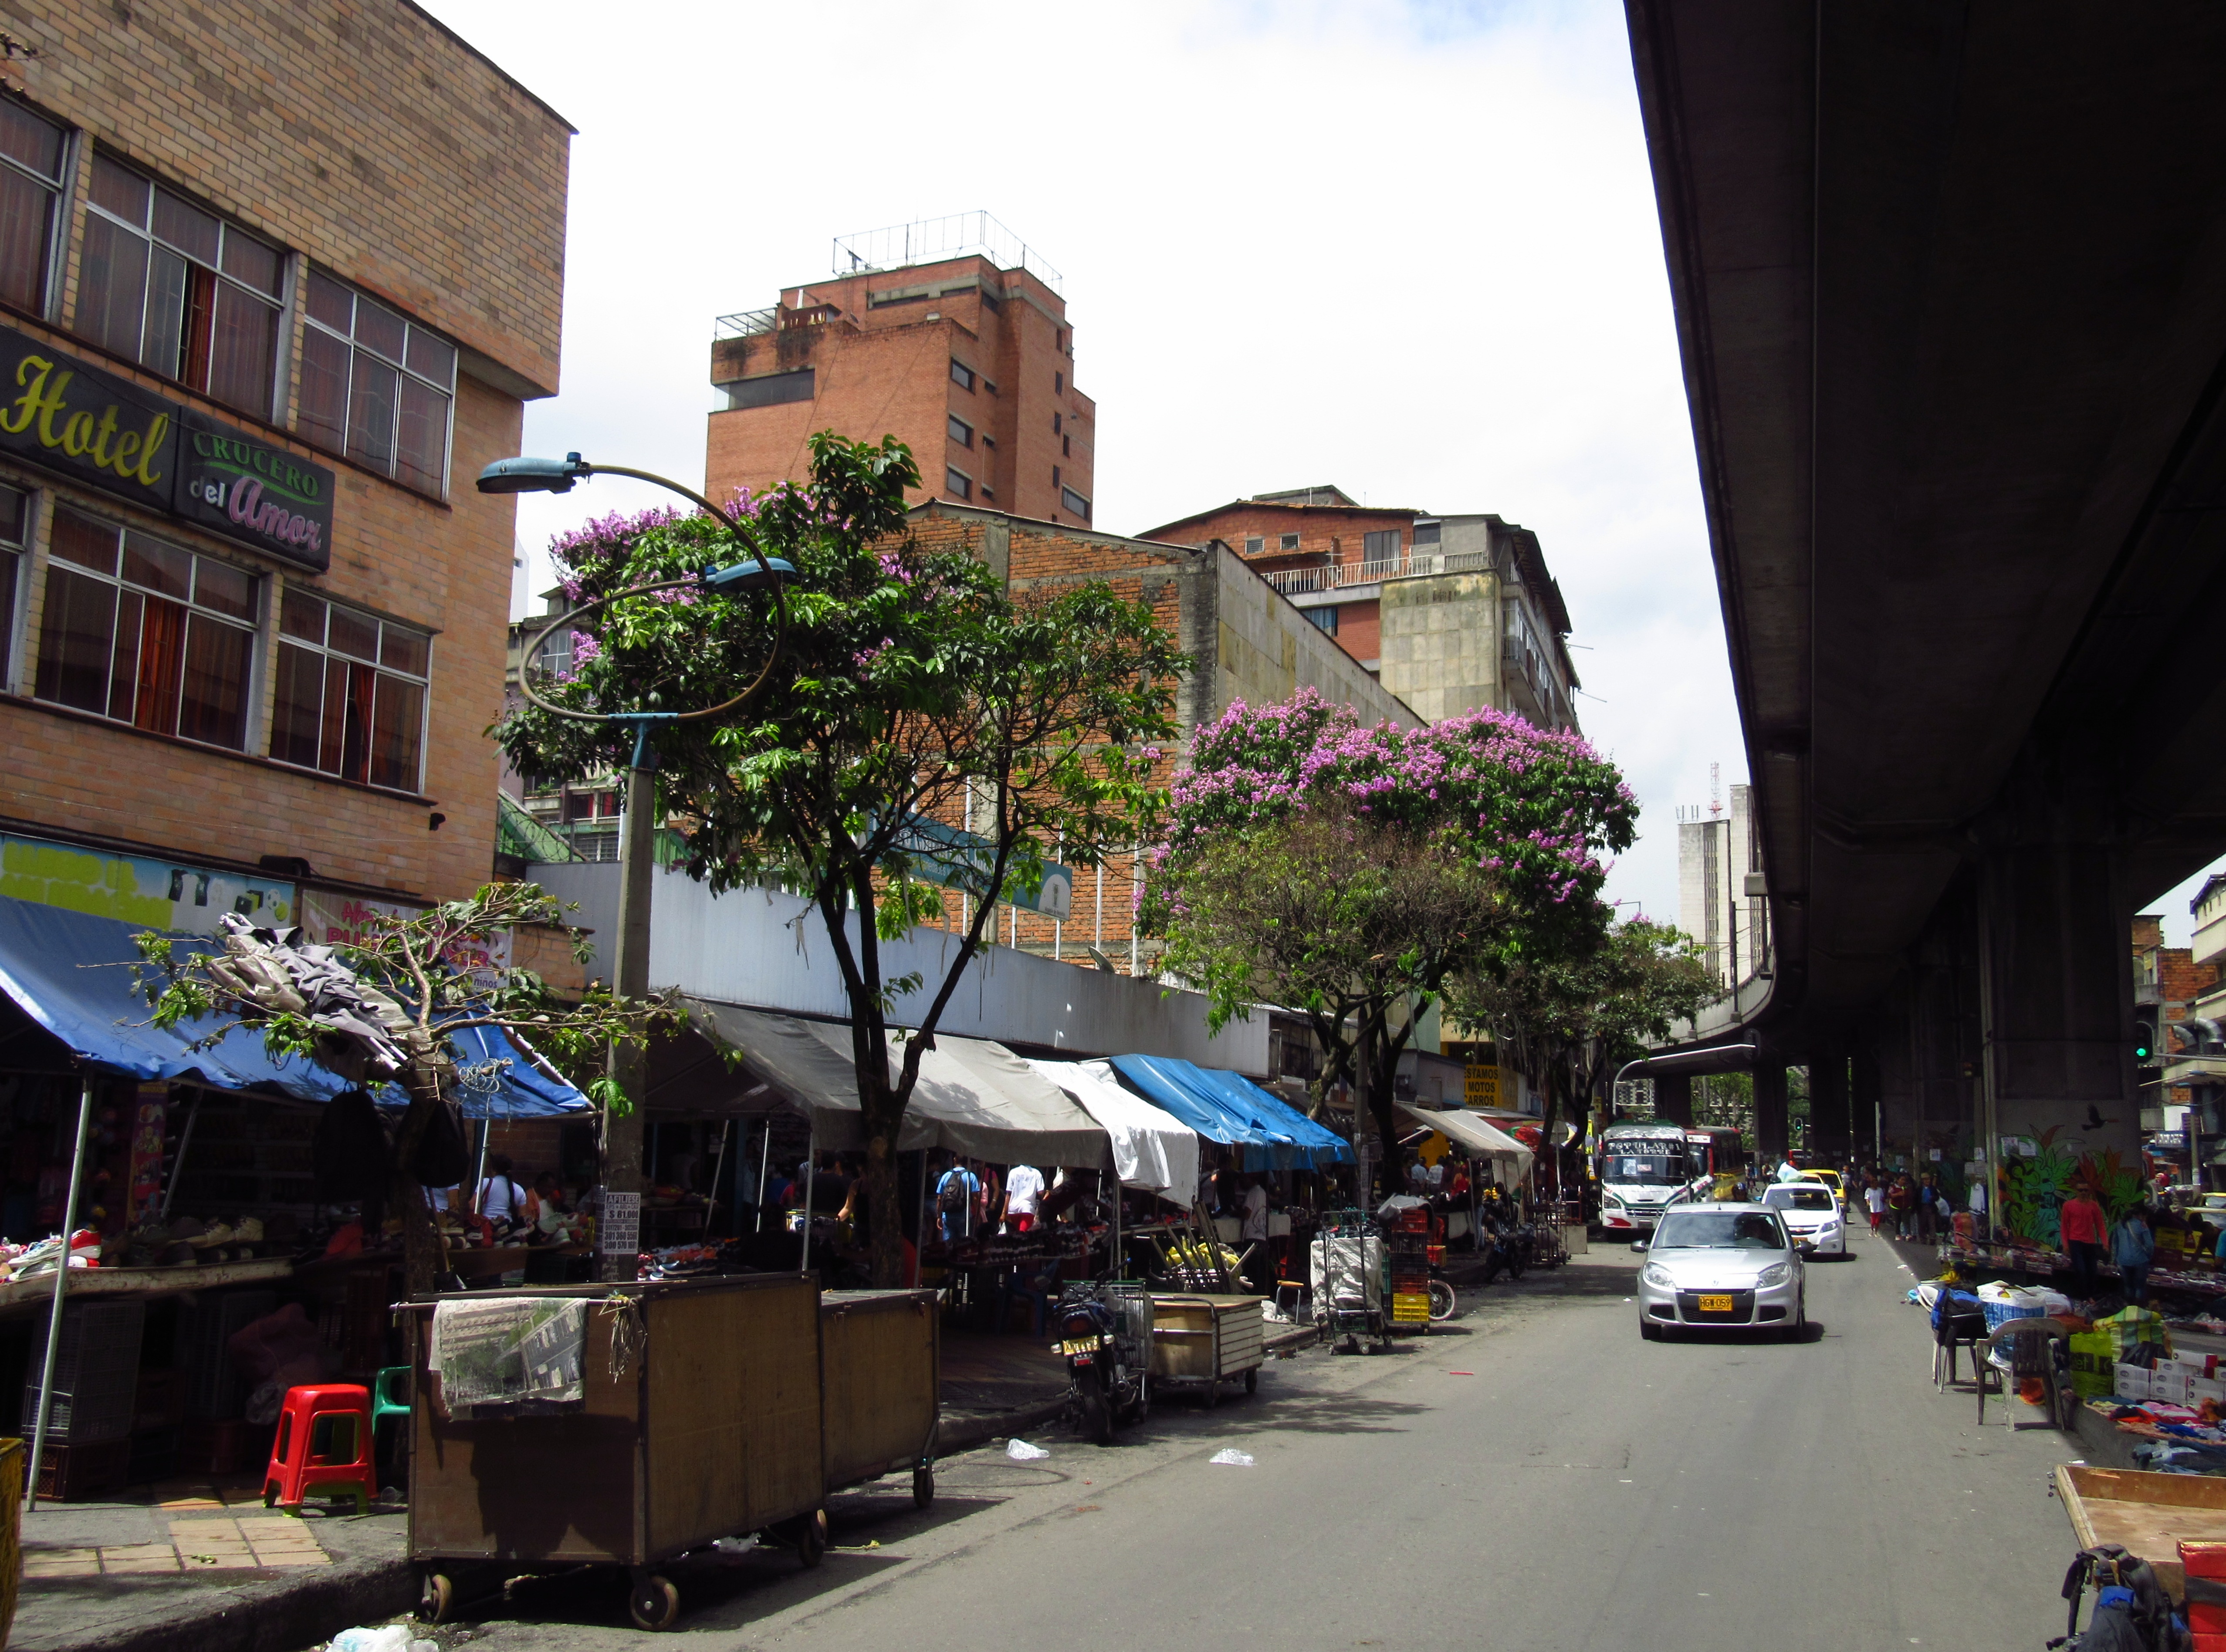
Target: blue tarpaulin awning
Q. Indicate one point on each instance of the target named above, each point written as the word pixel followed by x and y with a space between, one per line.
pixel 1227 1106
pixel 71 973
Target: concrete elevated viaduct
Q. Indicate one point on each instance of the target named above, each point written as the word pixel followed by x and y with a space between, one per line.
pixel 1950 289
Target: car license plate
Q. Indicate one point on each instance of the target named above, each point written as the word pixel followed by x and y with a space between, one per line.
pixel 1079 1345
pixel 1715 1305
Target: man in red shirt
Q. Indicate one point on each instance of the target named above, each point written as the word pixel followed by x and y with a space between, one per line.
pixel 2082 1227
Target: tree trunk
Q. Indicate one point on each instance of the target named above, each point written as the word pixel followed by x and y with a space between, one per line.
pixel 421 1234
pixel 886 1208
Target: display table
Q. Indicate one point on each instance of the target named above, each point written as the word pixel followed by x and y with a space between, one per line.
pixel 28 1295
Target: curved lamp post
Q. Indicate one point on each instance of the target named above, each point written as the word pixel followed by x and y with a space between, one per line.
pixel 622 1138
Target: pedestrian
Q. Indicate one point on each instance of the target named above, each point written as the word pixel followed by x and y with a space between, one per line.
pixel 956 1190
pixel 2081 1224
pixel 1874 1197
pixel 1024 1188
pixel 2132 1247
pixel 1254 1234
pixel 1979 1206
pixel 1901 1199
pixel 501 1199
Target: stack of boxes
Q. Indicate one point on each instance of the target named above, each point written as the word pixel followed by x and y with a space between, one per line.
pixel 2187 1381
pixel 2204 1567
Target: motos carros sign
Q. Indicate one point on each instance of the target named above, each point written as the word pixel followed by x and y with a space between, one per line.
pixel 69 417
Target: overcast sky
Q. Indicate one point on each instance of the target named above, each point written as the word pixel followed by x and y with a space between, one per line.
pixel 1407 249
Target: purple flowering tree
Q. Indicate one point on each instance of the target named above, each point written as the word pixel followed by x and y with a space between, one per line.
pixel 924 730
pixel 1349 871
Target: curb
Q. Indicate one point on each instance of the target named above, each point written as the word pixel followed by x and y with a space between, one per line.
pixel 966 1433
pixel 298 1612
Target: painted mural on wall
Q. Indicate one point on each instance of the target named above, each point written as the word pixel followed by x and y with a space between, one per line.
pixel 161 894
pixel 2039 1172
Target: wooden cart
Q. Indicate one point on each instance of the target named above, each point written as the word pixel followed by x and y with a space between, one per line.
pixel 712 1429
pixel 877 1352
pixel 2149 1514
pixel 1207 1340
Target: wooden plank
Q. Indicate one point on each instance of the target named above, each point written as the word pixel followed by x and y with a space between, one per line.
pixel 32 1294
pixel 878 1356
pixel 2150 1515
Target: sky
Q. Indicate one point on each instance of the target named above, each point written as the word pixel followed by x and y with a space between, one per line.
pixel 1409 248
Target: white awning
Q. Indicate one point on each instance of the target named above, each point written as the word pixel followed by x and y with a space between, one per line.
pixel 1478 1138
pixel 973 1097
pixel 1152 1148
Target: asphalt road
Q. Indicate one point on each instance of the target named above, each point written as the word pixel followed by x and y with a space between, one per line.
pixel 1533 1475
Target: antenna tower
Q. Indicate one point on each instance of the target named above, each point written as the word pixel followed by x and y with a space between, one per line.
pixel 1715 790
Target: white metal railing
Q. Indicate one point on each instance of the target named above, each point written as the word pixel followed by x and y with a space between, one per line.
pixel 1293 581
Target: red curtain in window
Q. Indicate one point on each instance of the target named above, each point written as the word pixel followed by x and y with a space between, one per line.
pixel 162 665
pixel 345 749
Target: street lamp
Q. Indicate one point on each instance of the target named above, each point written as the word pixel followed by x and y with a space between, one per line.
pixel 622 1138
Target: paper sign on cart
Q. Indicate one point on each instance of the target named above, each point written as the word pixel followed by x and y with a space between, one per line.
pixel 509 1356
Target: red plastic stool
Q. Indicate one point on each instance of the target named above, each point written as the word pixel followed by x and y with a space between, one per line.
pixel 323 1447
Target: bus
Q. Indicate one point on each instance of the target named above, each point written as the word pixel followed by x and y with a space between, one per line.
pixel 1719 1154
pixel 1644 1168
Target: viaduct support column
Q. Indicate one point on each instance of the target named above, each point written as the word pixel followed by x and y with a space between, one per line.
pixel 2057 998
pixel 1673 1097
pixel 1770 1134
pixel 1831 1138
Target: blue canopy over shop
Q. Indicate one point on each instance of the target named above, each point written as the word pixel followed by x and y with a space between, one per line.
pixel 1229 1108
pixel 70 972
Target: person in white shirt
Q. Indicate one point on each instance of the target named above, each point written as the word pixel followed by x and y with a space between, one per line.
pixel 1254 1231
pixel 501 1199
pixel 1874 1197
pixel 1024 1186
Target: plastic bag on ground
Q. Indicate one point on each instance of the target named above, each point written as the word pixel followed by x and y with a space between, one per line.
pixel 387 1638
pixel 1232 1457
pixel 1021 1451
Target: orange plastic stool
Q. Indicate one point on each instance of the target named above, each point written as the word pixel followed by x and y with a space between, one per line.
pixel 323 1447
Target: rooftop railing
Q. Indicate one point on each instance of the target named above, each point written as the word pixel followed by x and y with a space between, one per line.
pixel 1294 582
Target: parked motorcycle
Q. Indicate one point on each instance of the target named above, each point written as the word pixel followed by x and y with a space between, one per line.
pixel 1105 1336
pixel 1509 1246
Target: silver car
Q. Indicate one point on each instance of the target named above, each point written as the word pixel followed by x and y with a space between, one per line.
pixel 1721 1265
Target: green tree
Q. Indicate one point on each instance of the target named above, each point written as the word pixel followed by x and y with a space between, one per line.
pixel 389 1008
pixel 922 728
pixel 1349 871
pixel 1568 1019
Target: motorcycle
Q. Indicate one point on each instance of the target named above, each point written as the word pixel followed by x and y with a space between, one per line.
pixel 1105 1336
pixel 1509 1246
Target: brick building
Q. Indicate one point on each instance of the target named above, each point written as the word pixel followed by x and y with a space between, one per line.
pixel 949 334
pixel 273 294
pixel 1452 612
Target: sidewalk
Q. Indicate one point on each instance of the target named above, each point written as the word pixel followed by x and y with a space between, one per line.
pixel 202 1566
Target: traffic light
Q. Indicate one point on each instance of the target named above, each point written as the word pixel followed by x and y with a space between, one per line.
pixel 2143 1040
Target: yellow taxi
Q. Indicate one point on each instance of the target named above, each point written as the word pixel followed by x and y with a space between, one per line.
pixel 1831 1179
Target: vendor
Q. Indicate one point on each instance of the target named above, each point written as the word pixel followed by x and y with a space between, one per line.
pixel 1024 1188
pixel 552 1222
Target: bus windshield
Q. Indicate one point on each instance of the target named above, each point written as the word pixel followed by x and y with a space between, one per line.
pixel 1646 1169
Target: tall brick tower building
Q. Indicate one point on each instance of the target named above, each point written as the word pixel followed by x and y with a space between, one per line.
pixel 951 335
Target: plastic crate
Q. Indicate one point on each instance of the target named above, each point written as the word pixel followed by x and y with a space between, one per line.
pixel 213 1389
pixel 96 1372
pixel 77 1473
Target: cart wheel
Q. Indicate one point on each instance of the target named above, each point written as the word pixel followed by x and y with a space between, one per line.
pixel 811 1538
pixel 436 1599
pixel 1252 1381
pixel 922 1485
pixel 654 1603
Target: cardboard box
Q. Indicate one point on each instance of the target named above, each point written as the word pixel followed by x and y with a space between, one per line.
pixel 2130 1382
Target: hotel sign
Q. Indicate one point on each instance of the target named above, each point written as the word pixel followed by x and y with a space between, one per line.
pixel 69 417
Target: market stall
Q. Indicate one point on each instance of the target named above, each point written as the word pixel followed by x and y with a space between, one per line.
pixel 190 1177
pixel 1152 1149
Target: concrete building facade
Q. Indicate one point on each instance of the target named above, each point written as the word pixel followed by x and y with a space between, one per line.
pixel 1721 896
pixel 1452 612
pixel 951 335
pixel 256 346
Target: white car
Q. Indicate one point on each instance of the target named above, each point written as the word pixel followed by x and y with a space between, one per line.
pixel 1721 1265
pixel 1812 1215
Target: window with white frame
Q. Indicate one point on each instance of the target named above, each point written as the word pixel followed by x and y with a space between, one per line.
pixel 15 522
pixel 375 386
pixel 351 693
pixel 146 633
pixel 172 287
pixel 31 151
